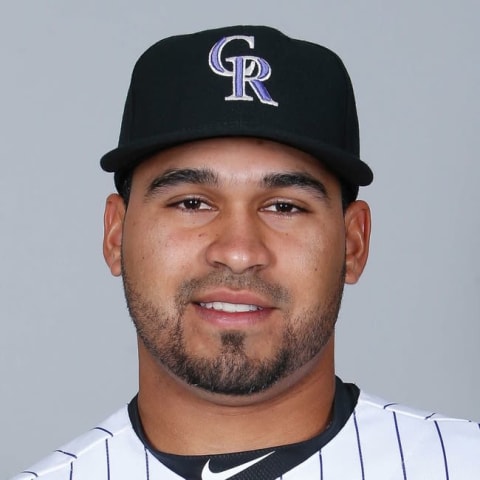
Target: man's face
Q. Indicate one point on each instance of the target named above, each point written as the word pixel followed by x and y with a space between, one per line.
pixel 233 261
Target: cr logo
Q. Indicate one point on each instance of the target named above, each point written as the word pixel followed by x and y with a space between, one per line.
pixel 246 69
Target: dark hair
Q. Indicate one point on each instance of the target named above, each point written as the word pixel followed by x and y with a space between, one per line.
pixel 123 183
pixel 349 194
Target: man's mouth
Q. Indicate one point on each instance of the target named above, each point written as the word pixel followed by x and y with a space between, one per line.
pixel 230 307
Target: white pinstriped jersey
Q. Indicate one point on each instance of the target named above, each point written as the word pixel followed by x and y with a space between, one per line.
pixel 379 441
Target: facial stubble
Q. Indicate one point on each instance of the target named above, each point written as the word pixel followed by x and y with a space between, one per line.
pixel 232 371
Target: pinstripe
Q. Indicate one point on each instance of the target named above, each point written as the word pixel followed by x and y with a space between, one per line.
pixel 321 464
pixel 358 443
pixel 66 453
pixel 103 430
pixel 389 405
pixel 430 416
pixel 108 459
pixel 400 445
pixel 32 473
pixel 71 471
pixel 447 476
pixel 147 465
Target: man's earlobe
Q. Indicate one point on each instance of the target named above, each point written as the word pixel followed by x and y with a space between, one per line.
pixel 357 231
pixel 112 233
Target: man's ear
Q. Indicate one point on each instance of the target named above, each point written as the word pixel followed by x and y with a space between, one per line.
pixel 112 233
pixel 357 231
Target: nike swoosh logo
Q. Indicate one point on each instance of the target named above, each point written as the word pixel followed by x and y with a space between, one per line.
pixel 207 474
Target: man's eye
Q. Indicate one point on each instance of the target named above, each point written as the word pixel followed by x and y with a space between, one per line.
pixel 193 204
pixel 283 207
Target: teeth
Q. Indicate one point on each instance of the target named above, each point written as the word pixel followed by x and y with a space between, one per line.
pixel 230 307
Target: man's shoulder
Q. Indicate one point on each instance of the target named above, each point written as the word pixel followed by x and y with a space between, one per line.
pixel 373 409
pixel 388 437
pixel 90 450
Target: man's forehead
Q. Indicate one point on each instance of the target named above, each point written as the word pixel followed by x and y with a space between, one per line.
pixel 235 158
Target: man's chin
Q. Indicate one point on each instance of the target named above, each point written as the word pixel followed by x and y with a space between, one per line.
pixel 231 374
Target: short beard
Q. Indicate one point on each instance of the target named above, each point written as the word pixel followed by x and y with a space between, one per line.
pixel 232 371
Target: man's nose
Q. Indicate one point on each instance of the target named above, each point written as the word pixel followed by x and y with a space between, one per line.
pixel 239 243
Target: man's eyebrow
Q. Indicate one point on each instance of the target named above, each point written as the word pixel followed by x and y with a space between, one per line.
pixel 176 176
pixel 206 176
pixel 301 180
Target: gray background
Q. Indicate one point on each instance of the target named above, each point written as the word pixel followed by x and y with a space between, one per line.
pixel 409 331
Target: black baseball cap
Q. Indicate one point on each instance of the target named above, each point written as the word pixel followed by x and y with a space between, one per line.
pixel 241 81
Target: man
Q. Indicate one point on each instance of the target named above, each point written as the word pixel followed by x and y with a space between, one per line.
pixel 235 228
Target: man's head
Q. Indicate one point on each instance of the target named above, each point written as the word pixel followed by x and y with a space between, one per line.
pixel 238 157
pixel 233 267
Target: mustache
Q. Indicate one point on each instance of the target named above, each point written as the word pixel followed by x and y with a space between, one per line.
pixel 193 287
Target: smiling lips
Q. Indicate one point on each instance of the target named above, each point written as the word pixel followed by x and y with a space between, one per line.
pixel 230 307
pixel 225 308
pixel 232 315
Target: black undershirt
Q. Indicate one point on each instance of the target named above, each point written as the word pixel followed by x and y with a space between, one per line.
pixel 283 459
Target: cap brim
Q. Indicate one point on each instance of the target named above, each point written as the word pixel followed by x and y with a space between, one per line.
pixel 345 165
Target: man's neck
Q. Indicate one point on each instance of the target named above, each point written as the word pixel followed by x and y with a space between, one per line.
pixel 183 420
